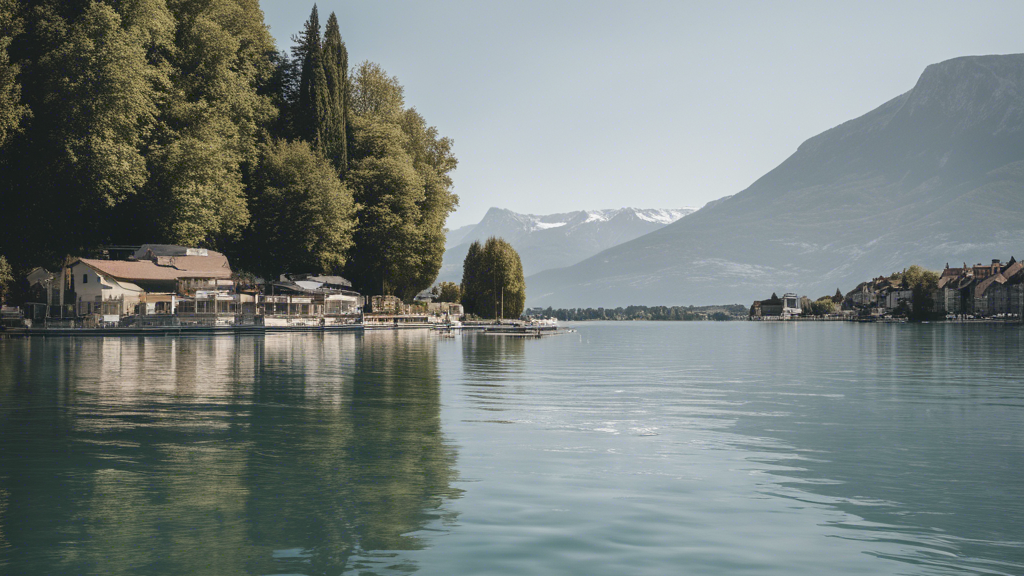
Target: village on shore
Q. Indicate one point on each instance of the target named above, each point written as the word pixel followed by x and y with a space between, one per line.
pixel 987 292
pixel 156 287
pixel 159 286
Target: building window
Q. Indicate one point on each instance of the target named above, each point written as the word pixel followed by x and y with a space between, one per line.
pixel 85 278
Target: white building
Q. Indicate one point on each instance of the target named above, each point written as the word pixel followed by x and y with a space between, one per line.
pixel 101 295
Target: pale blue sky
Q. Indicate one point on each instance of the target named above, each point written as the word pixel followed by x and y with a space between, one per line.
pixel 566 105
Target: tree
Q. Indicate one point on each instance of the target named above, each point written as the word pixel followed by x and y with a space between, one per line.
pixel 199 190
pixel 303 216
pixel 12 110
pixel 146 120
pixel 88 76
pixel 470 276
pixel 433 160
pixel 398 174
pixel 6 279
pixel 448 292
pixel 333 135
pixel 212 122
pixel 923 284
pixel 822 306
pixel 493 280
pixel 375 94
pixel 311 102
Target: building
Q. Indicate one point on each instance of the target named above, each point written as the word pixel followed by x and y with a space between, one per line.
pixel 993 295
pixel 309 300
pixel 767 308
pixel 156 281
pixel 982 290
pixel 791 305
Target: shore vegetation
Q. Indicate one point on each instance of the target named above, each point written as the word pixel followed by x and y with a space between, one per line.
pixel 492 280
pixel 123 123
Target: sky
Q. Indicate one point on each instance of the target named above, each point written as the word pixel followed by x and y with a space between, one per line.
pixel 563 105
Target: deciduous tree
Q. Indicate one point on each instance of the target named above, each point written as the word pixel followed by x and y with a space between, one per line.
pixel 493 282
pixel 303 216
pixel 6 278
pixel 12 109
pixel 448 292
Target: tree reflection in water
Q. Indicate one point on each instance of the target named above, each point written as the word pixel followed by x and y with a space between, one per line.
pixel 310 454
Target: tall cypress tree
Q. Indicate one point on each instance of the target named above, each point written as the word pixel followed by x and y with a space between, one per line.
pixel 335 64
pixel 312 79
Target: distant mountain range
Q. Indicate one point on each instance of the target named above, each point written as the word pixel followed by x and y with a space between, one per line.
pixel 555 240
pixel 934 175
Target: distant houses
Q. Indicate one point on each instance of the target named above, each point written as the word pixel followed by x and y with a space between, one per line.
pixel 982 290
pixel 993 290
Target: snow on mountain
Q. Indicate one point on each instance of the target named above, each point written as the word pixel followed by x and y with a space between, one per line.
pixel 556 240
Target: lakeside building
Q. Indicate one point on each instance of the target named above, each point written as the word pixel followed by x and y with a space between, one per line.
pixel 155 281
pixel 982 290
pixel 309 300
pixel 785 307
pixel 390 311
pixel 159 285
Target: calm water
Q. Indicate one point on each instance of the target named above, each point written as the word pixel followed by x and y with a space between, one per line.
pixel 628 448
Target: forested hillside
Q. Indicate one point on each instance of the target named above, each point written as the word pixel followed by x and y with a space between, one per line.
pixel 180 121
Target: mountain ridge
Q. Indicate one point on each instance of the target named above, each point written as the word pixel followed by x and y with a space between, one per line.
pixel 931 175
pixel 555 240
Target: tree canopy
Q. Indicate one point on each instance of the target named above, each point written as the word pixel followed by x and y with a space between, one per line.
pixel 922 283
pixel 492 282
pixel 448 292
pixel 399 174
pixel 303 215
pixel 6 278
pixel 177 121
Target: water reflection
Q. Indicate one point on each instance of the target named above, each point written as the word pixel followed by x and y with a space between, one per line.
pixel 912 431
pixel 311 454
pixel 494 368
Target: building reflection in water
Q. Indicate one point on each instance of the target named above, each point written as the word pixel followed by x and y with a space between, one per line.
pixel 302 453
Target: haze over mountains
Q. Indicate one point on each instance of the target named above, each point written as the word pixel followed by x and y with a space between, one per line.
pixel 934 175
pixel 555 240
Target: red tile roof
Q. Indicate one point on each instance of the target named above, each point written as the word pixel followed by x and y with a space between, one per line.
pixel 184 267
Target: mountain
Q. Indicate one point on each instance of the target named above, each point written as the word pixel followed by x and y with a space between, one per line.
pixel 454 237
pixel 555 240
pixel 932 176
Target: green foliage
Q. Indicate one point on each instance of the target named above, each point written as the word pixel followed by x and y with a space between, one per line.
pixel 12 110
pixel 212 121
pixel 303 216
pixel 312 80
pixel 399 175
pixel 448 292
pixel 6 278
pixel 199 190
pixel 155 121
pixel 923 283
pixel 333 138
pixel 375 94
pixel 493 281
pixel 822 307
pixel 104 104
pixel 471 277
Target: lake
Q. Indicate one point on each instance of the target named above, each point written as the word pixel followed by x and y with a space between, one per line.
pixel 635 448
